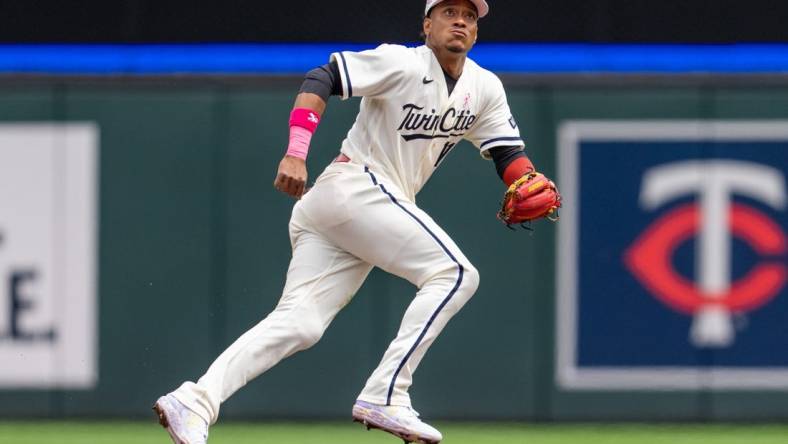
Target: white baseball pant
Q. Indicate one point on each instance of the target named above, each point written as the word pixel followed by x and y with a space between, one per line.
pixel 350 221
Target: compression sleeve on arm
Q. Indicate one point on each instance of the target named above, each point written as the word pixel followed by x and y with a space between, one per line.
pixel 323 81
pixel 511 163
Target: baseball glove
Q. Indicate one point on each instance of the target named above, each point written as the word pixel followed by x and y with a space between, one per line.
pixel 530 197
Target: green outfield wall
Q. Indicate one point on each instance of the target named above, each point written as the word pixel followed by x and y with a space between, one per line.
pixel 193 250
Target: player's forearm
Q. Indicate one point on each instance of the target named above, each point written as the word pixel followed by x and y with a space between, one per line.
pixel 304 118
pixel 311 102
pixel 511 163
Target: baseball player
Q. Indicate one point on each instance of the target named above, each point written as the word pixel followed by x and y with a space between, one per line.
pixel 417 104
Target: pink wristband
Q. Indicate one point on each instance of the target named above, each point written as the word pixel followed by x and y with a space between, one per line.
pixel 299 142
pixel 305 118
pixel 303 123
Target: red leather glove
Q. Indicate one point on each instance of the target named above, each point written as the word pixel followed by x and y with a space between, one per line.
pixel 530 197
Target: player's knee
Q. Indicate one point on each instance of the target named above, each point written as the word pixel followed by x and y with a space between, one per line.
pixel 309 335
pixel 466 288
pixel 309 329
pixel 462 276
pixel 470 279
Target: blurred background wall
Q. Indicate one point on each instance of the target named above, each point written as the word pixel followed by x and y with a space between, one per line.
pixel 191 245
pixel 150 21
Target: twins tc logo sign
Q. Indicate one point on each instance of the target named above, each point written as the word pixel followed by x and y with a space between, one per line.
pixel 713 220
pixel 672 266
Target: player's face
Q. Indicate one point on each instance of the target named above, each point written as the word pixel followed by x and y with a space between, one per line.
pixel 452 25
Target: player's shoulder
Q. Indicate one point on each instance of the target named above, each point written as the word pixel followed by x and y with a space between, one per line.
pixel 483 76
pixel 406 56
pixel 398 50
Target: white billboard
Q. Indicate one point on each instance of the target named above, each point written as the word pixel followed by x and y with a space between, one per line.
pixel 48 230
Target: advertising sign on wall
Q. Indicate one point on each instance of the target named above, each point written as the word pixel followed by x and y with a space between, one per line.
pixel 673 255
pixel 48 227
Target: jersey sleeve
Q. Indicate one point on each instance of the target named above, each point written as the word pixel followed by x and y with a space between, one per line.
pixel 496 125
pixel 373 73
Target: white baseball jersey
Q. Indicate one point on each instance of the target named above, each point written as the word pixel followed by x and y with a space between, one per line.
pixel 408 122
pixel 352 219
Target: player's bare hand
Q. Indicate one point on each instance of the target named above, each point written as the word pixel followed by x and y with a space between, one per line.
pixel 291 176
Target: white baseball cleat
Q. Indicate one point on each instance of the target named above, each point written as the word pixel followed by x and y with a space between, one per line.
pixel 400 421
pixel 183 425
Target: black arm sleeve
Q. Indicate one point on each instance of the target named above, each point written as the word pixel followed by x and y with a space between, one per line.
pixel 504 155
pixel 323 81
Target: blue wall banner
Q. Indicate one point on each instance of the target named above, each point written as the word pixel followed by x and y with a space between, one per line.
pixel 672 264
pixel 296 59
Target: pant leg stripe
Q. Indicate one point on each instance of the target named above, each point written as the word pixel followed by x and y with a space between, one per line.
pixel 445 300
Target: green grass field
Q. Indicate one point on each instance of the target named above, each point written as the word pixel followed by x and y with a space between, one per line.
pixel 46 432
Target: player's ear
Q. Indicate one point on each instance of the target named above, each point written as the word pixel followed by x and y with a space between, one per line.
pixel 427 26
